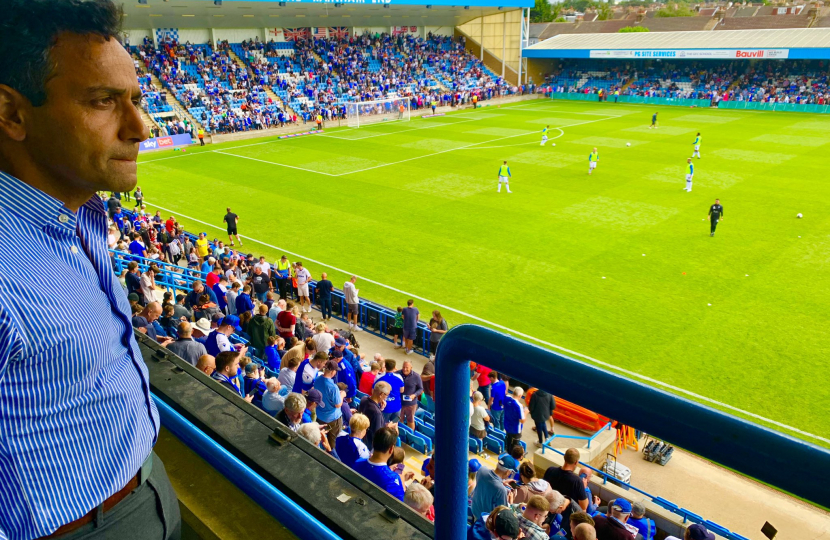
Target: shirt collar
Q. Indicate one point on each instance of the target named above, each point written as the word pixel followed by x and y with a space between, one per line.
pixel 41 210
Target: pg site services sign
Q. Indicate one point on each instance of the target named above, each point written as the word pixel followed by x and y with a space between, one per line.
pixel 692 54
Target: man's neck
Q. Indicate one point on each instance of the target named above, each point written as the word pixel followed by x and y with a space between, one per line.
pixel 566 467
pixel 379 458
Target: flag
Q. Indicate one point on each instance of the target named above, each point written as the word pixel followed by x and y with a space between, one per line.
pixel 413 28
pixel 293 34
pixel 319 32
pixel 398 30
pixel 339 32
pixel 275 31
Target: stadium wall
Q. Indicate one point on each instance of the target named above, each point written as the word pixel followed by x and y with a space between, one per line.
pixel 136 35
pixel 236 35
pixel 500 35
pixel 194 35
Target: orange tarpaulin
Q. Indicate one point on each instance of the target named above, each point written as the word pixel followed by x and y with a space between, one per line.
pixel 574 415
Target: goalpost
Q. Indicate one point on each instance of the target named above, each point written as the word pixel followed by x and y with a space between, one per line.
pixel 360 113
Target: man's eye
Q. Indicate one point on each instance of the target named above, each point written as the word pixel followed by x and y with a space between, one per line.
pixel 104 101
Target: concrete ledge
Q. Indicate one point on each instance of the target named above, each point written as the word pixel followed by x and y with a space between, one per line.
pixel 667 522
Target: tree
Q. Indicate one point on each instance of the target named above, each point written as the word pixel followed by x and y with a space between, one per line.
pixel 677 10
pixel 541 12
pixel 629 29
pixel 604 11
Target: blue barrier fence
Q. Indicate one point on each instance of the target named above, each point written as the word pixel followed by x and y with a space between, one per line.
pixel 283 509
pixel 788 463
pixel 576 437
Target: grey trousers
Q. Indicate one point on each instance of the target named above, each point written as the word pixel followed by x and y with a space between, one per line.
pixel 150 512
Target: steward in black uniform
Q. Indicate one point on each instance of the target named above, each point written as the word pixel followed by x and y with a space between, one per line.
pixel 715 215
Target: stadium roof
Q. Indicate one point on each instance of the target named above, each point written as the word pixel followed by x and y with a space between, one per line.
pixel 306 13
pixel 735 44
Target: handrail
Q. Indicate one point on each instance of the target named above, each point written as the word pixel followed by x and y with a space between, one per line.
pixel 590 439
pixel 283 509
pixel 754 450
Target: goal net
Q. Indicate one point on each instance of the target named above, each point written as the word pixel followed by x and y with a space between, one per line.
pixel 361 113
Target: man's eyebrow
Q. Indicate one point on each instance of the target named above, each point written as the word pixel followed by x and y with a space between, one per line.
pixel 112 91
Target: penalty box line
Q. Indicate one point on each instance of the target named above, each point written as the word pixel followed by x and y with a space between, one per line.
pixel 517 333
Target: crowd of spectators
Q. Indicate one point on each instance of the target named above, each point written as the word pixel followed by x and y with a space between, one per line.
pixel 770 81
pixel 320 76
pixel 258 341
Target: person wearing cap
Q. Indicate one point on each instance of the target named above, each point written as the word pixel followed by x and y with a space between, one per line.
pixel 350 446
pixel 342 345
pixel 227 366
pixel 201 330
pixel 185 347
pixel 328 412
pixel 613 526
pixel 638 519
pixel 345 375
pixel 376 470
pixel 500 524
pixel 313 400
pixel 254 382
pixel 490 489
pixel 392 412
pixel 308 371
pixel 217 341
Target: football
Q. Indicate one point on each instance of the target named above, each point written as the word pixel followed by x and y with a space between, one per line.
pixel 799 216
pixel 553 144
pixel 628 144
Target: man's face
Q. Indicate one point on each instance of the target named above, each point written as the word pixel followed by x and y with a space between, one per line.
pixel 197 287
pixel 153 315
pixel 407 368
pixel 536 516
pixel 257 270
pixel 233 368
pixel 295 417
pixel 92 104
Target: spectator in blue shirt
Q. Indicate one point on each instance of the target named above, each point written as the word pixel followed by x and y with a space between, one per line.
pixel 243 301
pixel 376 470
pixel 136 247
pixel 638 519
pixel 133 280
pixel 392 411
pixel 324 289
pixel 490 490
pixel 328 412
pixel 514 418
pixel 345 375
pixel 350 446
pixel 585 474
pixel 199 289
pixel 498 393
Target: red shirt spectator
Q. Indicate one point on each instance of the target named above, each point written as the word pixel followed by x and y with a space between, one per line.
pixel 286 319
pixel 483 375
pixel 367 381
pixel 170 225
pixel 212 279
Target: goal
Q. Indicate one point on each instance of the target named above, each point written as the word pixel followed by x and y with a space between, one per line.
pixel 361 113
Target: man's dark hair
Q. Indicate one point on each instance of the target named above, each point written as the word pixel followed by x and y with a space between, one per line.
pixel 180 298
pixel 389 364
pixel 30 29
pixel 384 440
pixel 224 359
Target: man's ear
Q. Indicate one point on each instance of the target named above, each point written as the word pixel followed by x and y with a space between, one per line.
pixel 12 113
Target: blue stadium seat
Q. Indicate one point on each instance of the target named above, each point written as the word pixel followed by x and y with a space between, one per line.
pixel 494 445
pixel 476 445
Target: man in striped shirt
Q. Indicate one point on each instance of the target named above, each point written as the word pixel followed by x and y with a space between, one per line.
pixel 78 423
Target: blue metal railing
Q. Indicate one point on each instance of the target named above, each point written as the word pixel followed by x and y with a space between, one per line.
pixel 590 439
pixel 788 463
pixel 687 515
pixel 283 509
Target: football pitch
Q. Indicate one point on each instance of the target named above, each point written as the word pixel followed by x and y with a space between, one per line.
pixel 616 268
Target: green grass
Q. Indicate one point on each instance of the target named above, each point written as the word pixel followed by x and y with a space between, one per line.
pixel 414 205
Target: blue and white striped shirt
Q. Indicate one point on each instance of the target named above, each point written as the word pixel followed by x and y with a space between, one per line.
pixel 76 417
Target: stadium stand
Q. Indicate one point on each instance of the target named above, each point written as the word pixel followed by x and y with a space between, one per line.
pixel 270 386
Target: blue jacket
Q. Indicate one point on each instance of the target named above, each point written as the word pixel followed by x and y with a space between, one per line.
pixel 479 530
pixel 193 297
pixel 243 303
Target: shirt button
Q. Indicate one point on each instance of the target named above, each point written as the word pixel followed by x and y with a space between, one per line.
pixel 73 249
pixel 63 218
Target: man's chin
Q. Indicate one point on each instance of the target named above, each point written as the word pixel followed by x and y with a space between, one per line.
pixel 123 175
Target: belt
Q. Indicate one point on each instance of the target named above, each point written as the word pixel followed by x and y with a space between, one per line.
pixel 110 503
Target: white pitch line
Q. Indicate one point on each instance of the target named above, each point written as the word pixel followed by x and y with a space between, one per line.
pixel 275 163
pixel 611 367
pixel 405 130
